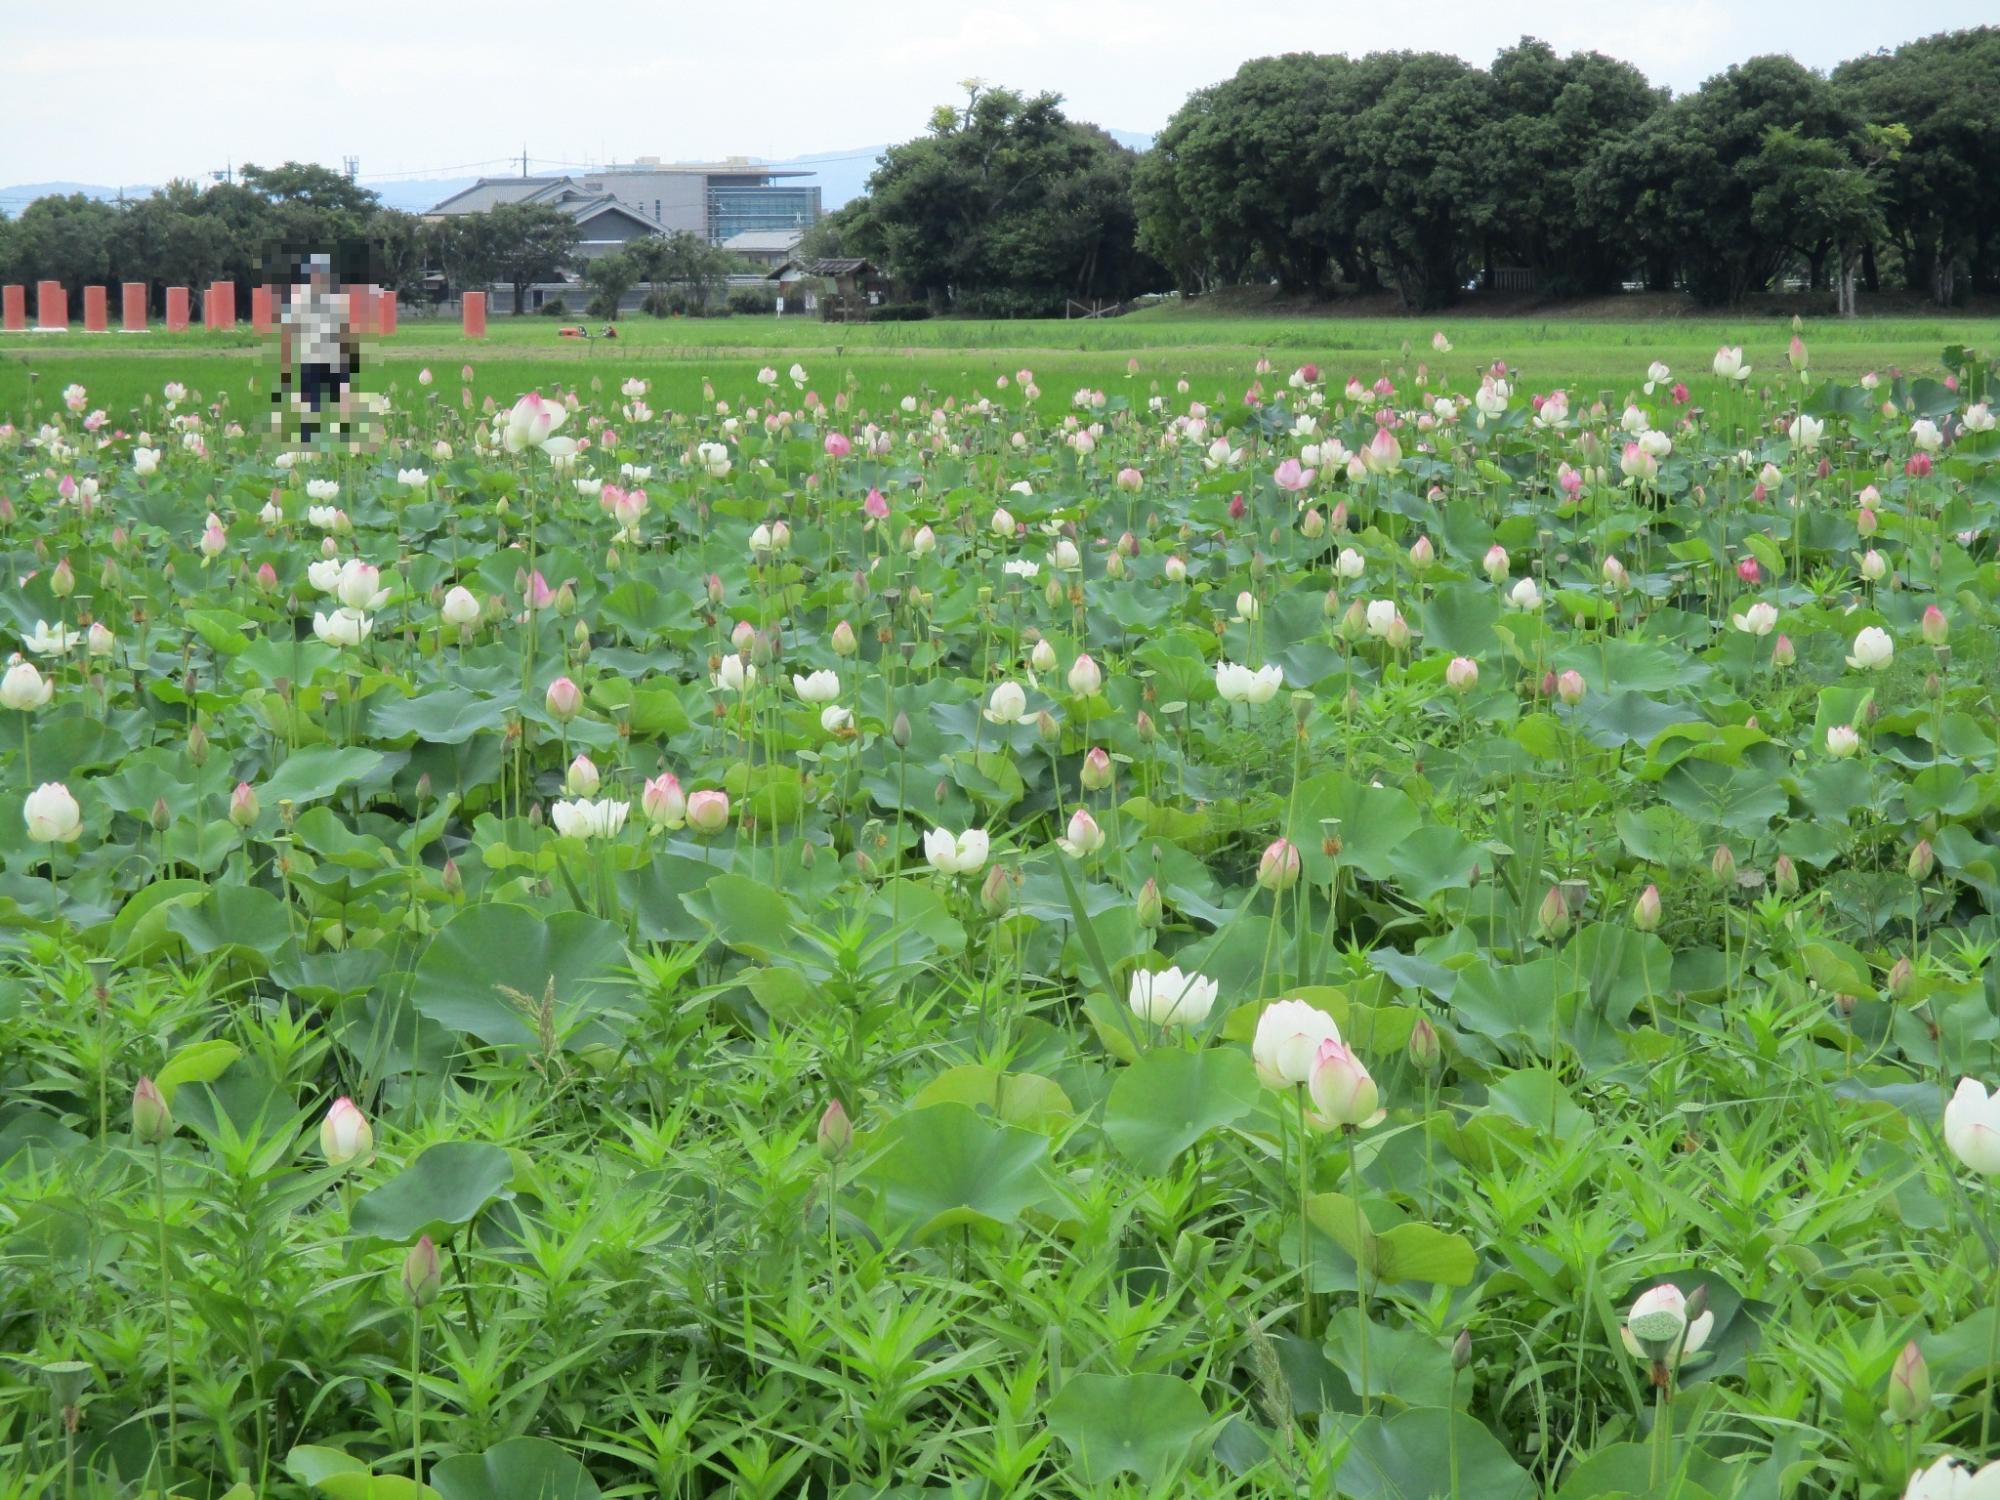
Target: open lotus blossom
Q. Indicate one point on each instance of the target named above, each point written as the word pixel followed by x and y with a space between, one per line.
pixel 1954 1479
pixel 145 461
pixel 1524 595
pixel 1972 1127
pixel 1729 363
pixel 1658 1330
pixel 1807 432
pixel 1657 374
pixel 1008 705
pixel 734 675
pixel 1240 684
pixel 816 687
pixel 585 818
pixel 1759 619
pixel 344 627
pixel 1873 650
pixel 24 688
pixel 1170 998
pixel 358 586
pixel 51 640
pixel 1842 741
pixel 532 421
pixel 1292 476
pixel 1925 435
pixel 956 854
pixel 1287 1042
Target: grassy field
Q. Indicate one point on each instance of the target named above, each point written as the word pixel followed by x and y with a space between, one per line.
pixel 1587 353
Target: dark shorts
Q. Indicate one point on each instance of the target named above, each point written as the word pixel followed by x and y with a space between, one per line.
pixel 319 382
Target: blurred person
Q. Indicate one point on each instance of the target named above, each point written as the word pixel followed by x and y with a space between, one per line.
pixel 317 351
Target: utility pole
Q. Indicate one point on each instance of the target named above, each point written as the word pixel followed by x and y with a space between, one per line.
pixel 524 158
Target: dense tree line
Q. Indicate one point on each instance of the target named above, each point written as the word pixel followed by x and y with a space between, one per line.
pixel 254 229
pixel 1420 172
pixel 1005 208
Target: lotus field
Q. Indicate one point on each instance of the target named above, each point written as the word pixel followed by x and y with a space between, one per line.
pixel 1383 934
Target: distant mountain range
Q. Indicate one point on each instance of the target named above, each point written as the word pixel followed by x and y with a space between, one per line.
pixel 842 175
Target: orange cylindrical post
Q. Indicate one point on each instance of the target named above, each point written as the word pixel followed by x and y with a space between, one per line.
pixel 385 313
pixel 260 308
pixel 51 305
pixel 360 307
pixel 134 308
pixel 14 307
pixel 96 310
pixel 225 304
pixel 177 309
pixel 475 315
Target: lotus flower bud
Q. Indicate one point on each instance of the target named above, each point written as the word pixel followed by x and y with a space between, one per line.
pixel 1151 909
pixel 1425 1050
pixel 1936 631
pixel 844 642
pixel 1909 1385
pixel 1047 727
pixel 1723 864
pixel 450 878
pixel 899 730
pixel 836 1132
pixel 1278 868
pixel 1785 876
pixel 1646 910
pixel 1096 772
pixel 423 1277
pixel 1900 976
pixel 197 745
pixel 993 894
pixel 1569 688
pixel 1553 915
pixel 1922 860
pixel 345 1133
pixel 62 582
pixel 564 700
pixel 243 808
pixel 152 1121
pixel 162 816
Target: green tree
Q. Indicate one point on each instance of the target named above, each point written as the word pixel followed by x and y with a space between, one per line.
pixel 1243 169
pixel 529 242
pixel 1686 180
pixel 1941 205
pixel 396 246
pixel 1006 207
pixel 609 278
pixel 1418 171
pixel 1552 114
pixel 682 261
pixel 66 239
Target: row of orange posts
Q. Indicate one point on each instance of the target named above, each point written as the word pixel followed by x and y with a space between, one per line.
pixel 373 310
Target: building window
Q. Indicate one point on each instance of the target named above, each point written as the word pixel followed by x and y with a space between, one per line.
pixel 656 210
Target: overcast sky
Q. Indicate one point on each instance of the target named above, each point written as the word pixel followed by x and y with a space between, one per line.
pixel 132 91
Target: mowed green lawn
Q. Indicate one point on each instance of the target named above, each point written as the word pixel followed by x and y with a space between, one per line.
pixel 1590 356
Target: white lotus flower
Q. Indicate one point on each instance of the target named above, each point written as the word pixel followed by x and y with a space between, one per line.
pixel 956 854
pixel 583 818
pixel 1171 998
pixel 344 627
pixel 51 640
pixel 1007 705
pixel 1759 619
pixel 1287 1041
pixel 817 687
pixel 1239 684
pixel 1873 650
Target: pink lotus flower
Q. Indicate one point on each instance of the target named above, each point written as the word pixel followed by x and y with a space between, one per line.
pixel 663 802
pixel 708 811
pixel 875 507
pixel 837 445
pixel 1292 476
pixel 564 700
